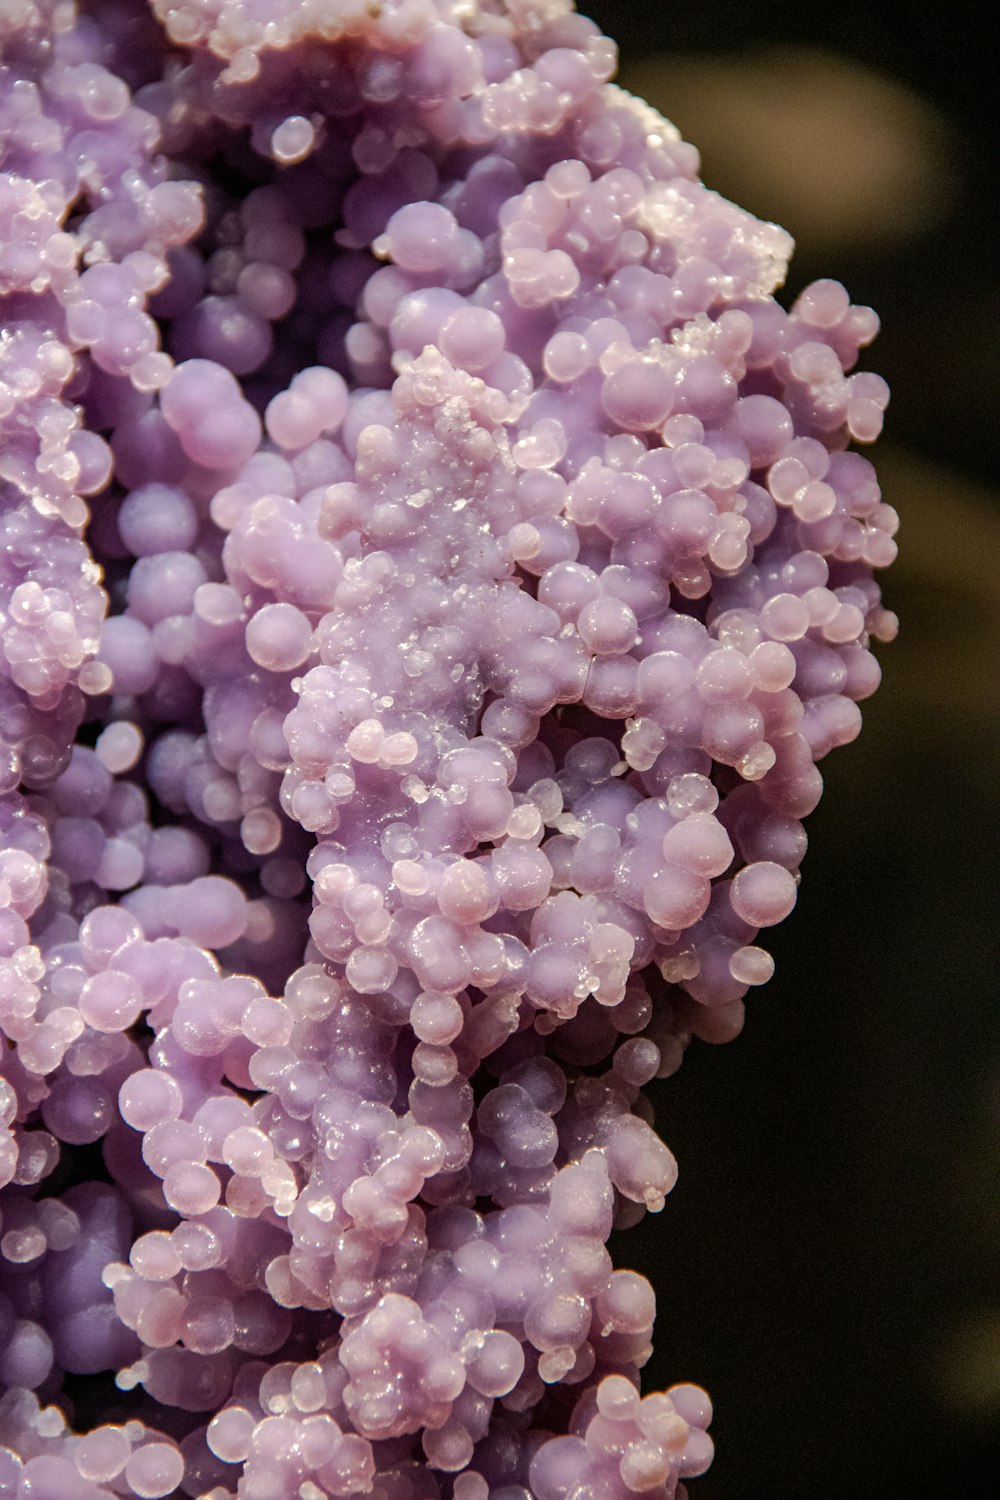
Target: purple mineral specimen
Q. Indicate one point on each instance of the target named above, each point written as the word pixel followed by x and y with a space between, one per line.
pixel 433 565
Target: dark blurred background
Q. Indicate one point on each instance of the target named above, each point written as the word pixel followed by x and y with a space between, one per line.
pixel 828 1265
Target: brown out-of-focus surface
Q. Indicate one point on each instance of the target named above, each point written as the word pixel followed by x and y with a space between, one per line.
pixel 824 141
pixel 829 1264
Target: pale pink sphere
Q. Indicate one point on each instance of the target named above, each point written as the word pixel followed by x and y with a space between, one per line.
pixel 763 893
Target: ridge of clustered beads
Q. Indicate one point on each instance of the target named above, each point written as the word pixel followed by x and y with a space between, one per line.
pixel 452 556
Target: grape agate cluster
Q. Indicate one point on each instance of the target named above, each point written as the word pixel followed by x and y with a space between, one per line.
pixel 432 567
